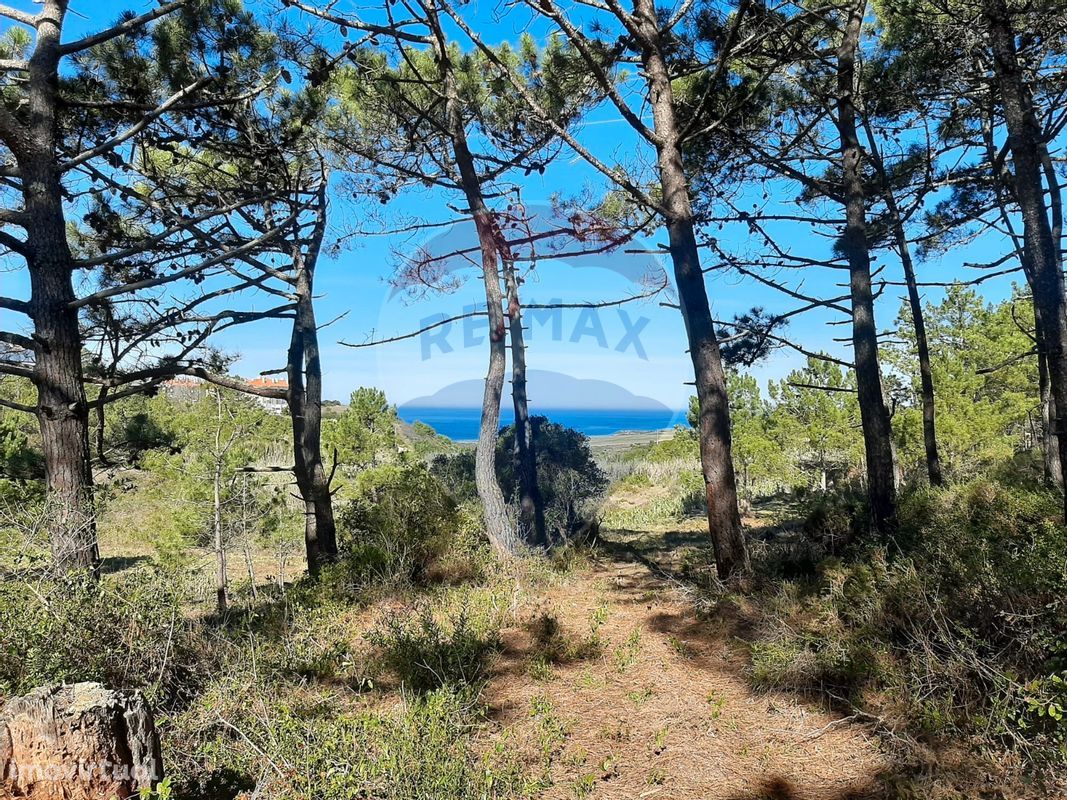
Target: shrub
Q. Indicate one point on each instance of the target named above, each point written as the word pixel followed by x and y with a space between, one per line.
pixel 996 556
pixel 426 654
pixel 456 472
pixel 127 633
pixel 834 519
pixel 422 751
pixel 568 476
pixel 400 520
pixel 19 459
pixel 957 624
pixel 553 645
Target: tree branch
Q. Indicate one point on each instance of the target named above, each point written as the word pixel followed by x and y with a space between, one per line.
pixel 11 304
pixel 139 126
pixel 19 16
pixel 16 339
pixel 129 26
pixel 413 334
pixel 17 406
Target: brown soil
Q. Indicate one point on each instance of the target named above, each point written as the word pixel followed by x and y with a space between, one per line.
pixel 663 710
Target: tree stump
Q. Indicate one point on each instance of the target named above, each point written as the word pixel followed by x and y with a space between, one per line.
pixel 78 742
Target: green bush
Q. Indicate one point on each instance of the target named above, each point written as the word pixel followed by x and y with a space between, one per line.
pixel 834 519
pixel 568 477
pixel 316 750
pixel 426 654
pixel 19 459
pixel 400 520
pixel 996 556
pixel 129 634
pixel 553 645
pixel 957 624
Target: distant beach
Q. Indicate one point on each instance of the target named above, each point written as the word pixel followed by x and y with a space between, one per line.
pixel 461 424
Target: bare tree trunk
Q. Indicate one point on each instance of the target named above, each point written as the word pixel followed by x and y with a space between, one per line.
pixel 724 518
pixel 498 524
pixel 101 423
pixel 497 521
pixel 531 506
pixel 304 370
pixel 1049 445
pixel 246 536
pixel 1024 144
pixel 220 546
pixel 1049 442
pixel 922 345
pixel 926 374
pixel 62 410
pixel 874 416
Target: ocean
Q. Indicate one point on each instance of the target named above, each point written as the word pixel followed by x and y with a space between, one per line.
pixel 461 424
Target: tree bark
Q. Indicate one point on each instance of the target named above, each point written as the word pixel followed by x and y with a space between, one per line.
pixel 62 410
pixel 915 306
pixel 724 518
pixel 498 525
pixel 1041 249
pixel 304 371
pixel 531 506
pixel 926 374
pixel 1049 445
pixel 874 416
pixel 78 742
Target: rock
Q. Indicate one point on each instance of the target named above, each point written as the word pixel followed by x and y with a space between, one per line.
pixel 78 742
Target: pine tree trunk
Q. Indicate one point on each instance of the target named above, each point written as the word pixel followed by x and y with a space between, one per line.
pixel 922 345
pixel 62 410
pixel 1050 447
pixel 874 416
pixel 221 598
pixel 1049 444
pixel 304 371
pixel 1024 144
pixel 498 525
pixel 724 518
pixel 926 373
pixel 531 506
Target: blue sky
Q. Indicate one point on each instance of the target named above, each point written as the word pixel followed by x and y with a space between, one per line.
pixel 354 287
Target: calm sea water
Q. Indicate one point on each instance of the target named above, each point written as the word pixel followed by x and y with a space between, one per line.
pixel 462 423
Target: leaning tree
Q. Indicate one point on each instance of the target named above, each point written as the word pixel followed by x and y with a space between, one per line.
pixel 414 110
pixel 644 35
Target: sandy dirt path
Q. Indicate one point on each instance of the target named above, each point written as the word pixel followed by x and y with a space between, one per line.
pixel 658 706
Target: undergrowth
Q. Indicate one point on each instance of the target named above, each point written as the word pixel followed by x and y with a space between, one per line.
pixel 952 631
pixel 316 689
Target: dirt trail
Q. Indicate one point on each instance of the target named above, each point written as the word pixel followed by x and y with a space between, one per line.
pixel 663 710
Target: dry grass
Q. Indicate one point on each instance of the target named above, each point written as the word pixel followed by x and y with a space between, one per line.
pixel 663 710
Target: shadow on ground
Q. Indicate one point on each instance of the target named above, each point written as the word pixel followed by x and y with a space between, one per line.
pixel 113 564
